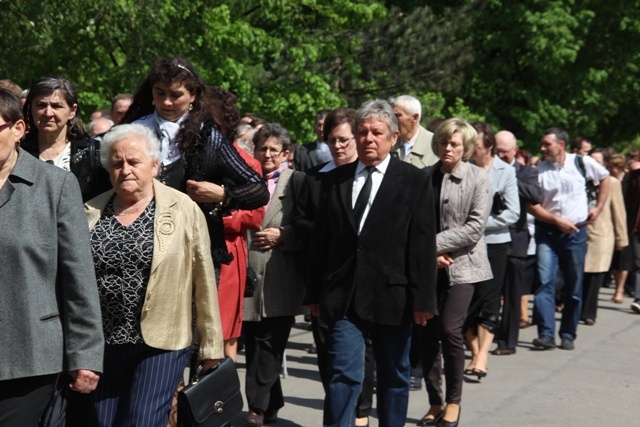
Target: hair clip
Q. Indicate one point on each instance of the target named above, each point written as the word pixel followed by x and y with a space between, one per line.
pixel 185 68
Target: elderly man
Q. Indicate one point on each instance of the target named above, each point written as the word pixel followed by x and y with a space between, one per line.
pixel 99 126
pixel 561 234
pixel 520 266
pixel 414 141
pixel 375 269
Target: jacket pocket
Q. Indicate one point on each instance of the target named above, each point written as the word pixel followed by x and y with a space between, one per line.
pixel 397 279
pixel 49 317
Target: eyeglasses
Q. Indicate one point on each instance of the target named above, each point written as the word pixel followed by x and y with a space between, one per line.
pixel 272 151
pixel 5 125
pixel 340 141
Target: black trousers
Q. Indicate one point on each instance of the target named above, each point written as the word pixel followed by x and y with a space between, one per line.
pixel 365 401
pixel 446 329
pixel 518 280
pixel 265 343
pixel 485 305
pixel 590 290
pixel 23 400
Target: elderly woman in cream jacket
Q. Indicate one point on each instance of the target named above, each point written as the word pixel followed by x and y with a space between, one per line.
pixel 152 259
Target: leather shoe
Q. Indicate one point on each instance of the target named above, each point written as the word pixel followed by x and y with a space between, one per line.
pixel 524 324
pixel 270 416
pixel 545 343
pixel 254 419
pixel 415 383
pixel 424 421
pixel 445 423
pixel 503 351
pixel 567 344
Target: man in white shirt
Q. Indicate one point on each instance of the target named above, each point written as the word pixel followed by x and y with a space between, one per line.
pixel 561 234
pixel 414 141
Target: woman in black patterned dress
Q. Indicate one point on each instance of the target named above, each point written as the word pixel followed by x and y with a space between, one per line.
pixel 196 157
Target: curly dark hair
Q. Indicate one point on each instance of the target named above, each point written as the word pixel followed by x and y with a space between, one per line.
pixel 223 108
pixel 45 86
pixel 171 70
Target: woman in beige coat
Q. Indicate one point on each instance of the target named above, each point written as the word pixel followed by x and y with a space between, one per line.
pixel 607 233
pixel 152 259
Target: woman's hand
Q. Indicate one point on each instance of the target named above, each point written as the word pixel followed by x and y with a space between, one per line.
pixel 205 192
pixel 444 260
pixel 207 364
pixel 268 238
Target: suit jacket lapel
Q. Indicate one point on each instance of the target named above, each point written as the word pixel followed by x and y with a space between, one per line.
pixel 164 224
pixel 390 182
pixel 275 204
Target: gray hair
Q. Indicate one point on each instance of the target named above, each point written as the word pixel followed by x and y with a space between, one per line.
pixel 120 132
pixel 378 109
pixel 409 103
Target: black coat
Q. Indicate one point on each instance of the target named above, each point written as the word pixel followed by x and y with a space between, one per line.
pixel 387 271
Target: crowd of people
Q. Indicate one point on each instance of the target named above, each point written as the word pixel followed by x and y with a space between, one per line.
pixel 202 228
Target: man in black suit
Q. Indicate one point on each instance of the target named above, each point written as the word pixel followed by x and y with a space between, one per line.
pixel 313 153
pixel 520 266
pixel 375 269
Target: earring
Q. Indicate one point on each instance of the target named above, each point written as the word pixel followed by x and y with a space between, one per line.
pixel 153 103
pixel 190 106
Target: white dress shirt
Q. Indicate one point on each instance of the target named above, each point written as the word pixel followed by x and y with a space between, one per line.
pixel 377 174
pixel 564 191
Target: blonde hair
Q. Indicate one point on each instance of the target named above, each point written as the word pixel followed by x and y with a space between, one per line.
pixel 450 126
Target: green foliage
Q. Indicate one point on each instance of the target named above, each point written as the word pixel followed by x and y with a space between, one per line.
pixel 521 66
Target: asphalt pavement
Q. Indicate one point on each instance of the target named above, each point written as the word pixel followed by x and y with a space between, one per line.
pixel 594 385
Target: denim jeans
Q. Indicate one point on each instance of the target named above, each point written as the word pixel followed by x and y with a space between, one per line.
pixel 565 251
pixel 345 366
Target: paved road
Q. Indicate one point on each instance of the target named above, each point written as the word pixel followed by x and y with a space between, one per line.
pixel 597 384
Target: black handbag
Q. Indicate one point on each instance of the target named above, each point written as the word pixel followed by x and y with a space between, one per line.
pixel 212 399
pixel 56 412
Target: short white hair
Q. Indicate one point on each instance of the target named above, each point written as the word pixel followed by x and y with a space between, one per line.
pixel 409 103
pixel 120 132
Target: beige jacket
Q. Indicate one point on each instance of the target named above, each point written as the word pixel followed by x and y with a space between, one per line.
pixel 421 155
pixel 608 231
pixel 181 273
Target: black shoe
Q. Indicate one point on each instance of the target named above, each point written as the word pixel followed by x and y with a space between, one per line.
pixel 270 416
pixel 312 349
pixel 476 373
pixel 589 322
pixel 445 423
pixel 545 343
pixel 567 344
pixel 415 383
pixel 424 421
pixel 254 418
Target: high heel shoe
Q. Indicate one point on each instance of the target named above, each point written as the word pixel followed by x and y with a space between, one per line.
pixel 475 373
pixel 424 421
pixel 445 423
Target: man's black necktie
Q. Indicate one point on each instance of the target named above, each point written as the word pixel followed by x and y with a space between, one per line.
pixel 363 197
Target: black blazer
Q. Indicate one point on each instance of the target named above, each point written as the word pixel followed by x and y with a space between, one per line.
pixel 530 193
pixel 305 157
pixel 387 271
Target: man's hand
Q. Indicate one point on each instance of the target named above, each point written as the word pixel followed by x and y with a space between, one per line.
pixel 444 260
pixel 564 225
pixel 205 192
pixel 267 238
pixel 421 317
pixel 84 381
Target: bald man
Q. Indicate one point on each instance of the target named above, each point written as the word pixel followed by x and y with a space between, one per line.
pixel 520 266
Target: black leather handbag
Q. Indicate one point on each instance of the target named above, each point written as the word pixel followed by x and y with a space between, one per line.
pixel 212 399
